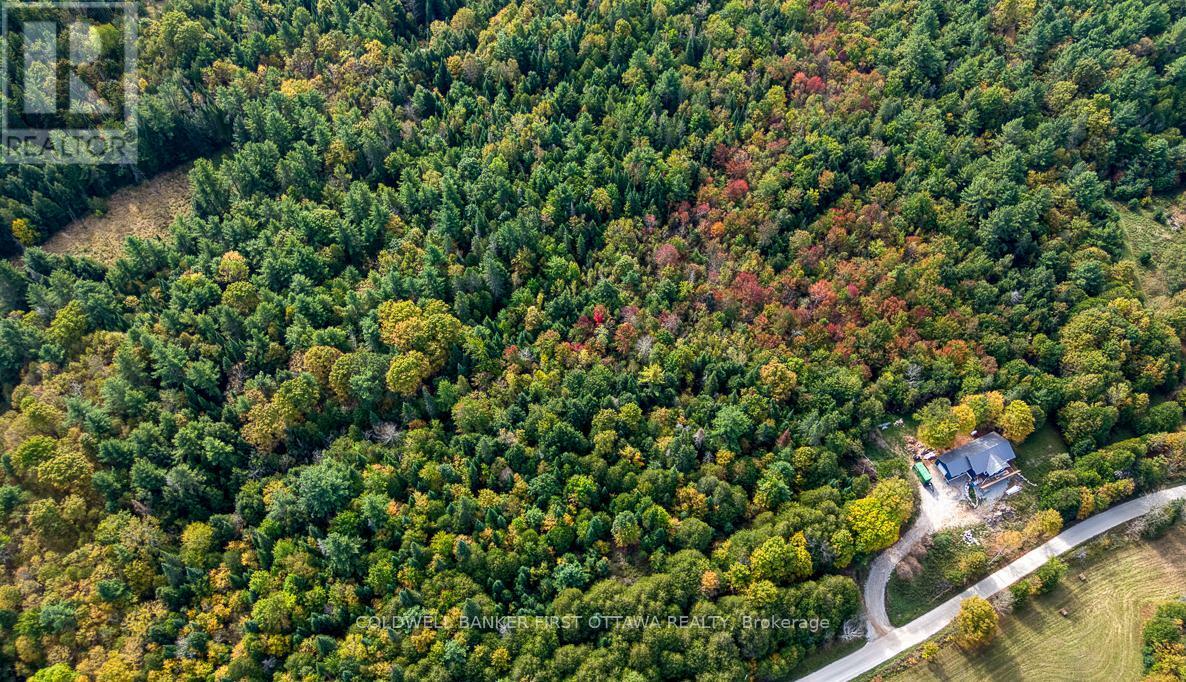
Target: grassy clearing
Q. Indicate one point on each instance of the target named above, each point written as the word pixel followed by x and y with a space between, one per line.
pixel 887 451
pixel 1156 236
pixel 1035 456
pixel 143 210
pixel 1099 639
pixel 905 601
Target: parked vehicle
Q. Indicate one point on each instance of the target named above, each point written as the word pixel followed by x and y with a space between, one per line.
pixel 923 474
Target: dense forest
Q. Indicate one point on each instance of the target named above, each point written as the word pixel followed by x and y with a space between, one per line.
pixel 549 308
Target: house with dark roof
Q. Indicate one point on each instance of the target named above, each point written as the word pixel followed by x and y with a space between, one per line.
pixel 984 461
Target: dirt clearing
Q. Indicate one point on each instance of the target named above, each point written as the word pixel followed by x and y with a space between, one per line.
pixel 143 210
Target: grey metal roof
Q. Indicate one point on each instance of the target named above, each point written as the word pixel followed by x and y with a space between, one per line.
pixel 984 456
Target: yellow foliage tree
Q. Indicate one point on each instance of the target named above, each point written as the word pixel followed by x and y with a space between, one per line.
pixel 1017 422
pixel 780 561
pixel 24 232
pixel 976 624
pixel 778 379
pixel 875 520
pixel 1043 525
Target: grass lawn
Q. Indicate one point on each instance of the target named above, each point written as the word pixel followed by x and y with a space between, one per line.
pixel 1035 459
pixel 889 456
pixel 1099 639
pixel 907 600
pixel 1035 454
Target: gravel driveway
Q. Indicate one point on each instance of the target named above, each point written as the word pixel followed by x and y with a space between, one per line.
pixel 940 508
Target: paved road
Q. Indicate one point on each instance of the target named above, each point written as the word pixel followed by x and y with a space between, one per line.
pixel 917 631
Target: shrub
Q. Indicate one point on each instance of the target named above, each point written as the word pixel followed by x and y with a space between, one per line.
pixel 1050 573
pixel 1160 520
pixel 1022 590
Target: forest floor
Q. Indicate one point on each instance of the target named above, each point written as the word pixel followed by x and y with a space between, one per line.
pixel 144 210
pixel 1098 639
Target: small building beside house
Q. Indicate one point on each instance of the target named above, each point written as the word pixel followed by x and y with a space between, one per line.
pixel 983 462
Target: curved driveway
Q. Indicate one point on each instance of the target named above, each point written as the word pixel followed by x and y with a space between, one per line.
pixel 895 641
pixel 939 507
pixel 879 574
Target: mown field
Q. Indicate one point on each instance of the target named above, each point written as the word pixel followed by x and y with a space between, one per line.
pixel 1099 639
